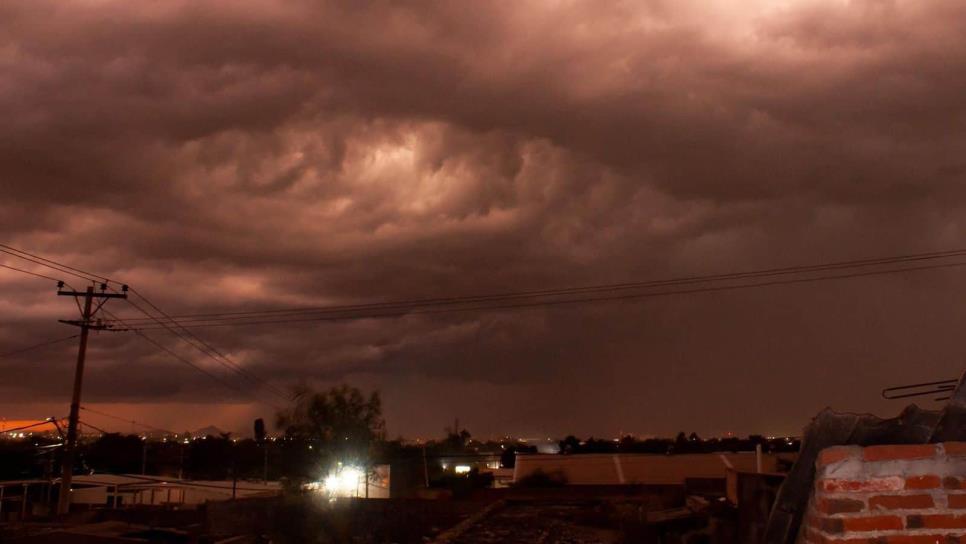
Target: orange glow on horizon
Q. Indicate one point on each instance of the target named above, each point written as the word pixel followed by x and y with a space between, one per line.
pixel 45 426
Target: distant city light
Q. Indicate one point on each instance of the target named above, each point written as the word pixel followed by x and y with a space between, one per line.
pixel 462 469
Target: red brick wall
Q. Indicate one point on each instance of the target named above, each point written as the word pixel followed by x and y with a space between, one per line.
pixel 911 494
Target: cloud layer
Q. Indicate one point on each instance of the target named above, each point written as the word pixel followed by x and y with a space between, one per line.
pixel 224 155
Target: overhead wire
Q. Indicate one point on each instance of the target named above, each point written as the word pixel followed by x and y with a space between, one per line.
pixel 405 307
pixel 205 347
pixel 125 420
pixel 47 421
pixel 28 272
pixel 189 363
pixel 493 297
pixel 9 249
pixel 211 375
pixel 187 336
pixel 179 325
pixel 554 292
pixel 96 428
pixel 557 302
pixel 64 270
pixel 37 346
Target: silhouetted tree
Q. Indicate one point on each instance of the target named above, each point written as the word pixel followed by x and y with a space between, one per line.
pixel 338 425
pixel 571 444
pixel 681 443
pixel 115 453
pixel 456 439
pixel 210 458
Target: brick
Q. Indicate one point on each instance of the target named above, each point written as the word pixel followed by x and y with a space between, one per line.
pixel 839 506
pixel 831 525
pixel 901 502
pixel 814 536
pixel 913 539
pixel 952 482
pixel 834 455
pixel 928 481
pixel 872 523
pixel 957 501
pixel 955 448
pixel 936 521
pixel 897 452
pixel 891 483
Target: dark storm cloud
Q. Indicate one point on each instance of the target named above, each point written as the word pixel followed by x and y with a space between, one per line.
pixel 223 155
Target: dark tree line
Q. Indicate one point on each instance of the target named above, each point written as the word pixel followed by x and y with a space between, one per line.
pixel 320 430
pixel 682 443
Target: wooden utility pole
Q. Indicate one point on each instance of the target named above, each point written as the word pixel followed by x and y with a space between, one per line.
pixel 425 467
pixel 234 473
pixel 86 324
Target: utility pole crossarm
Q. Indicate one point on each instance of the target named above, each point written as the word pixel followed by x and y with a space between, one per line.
pixel 91 325
pixel 96 295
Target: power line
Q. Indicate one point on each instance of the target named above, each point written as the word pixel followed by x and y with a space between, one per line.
pixel 408 307
pixel 47 421
pixel 194 340
pixel 559 302
pixel 187 362
pixel 98 429
pixel 494 297
pixel 179 325
pixel 205 347
pixel 86 324
pixel 125 420
pixel 41 263
pixel 28 272
pixel 37 346
pixel 10 249
pixel 198 368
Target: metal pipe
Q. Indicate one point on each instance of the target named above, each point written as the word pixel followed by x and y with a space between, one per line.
pixel 925 388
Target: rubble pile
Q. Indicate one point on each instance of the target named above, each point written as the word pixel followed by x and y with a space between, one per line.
pixel 538 522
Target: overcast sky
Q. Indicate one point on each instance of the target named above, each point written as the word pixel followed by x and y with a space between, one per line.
pixel 234 154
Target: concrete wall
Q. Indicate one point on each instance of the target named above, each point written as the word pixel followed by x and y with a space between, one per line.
pixel 608 469
pixel 908 494
pixel 89 495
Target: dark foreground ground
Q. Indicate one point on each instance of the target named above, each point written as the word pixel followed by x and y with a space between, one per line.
pixel 539 522
pixel 567 515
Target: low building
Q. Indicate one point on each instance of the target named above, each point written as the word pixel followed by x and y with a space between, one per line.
pixel 648 469
pixel 118 490
pixel 22 498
